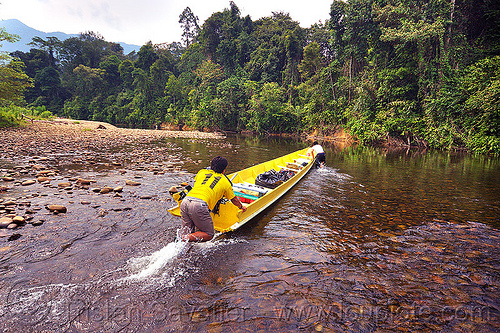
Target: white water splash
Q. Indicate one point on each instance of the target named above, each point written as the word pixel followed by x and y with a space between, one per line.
pixel 163 264
pixel 151 265
pixel 334 173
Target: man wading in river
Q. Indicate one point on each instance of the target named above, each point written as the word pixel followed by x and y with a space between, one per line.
pixel 209 187
pixel 317 151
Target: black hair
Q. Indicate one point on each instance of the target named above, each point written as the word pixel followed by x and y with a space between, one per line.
pixel 218 164
pixel 315 143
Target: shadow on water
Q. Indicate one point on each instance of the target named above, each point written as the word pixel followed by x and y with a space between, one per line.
pixel 376 241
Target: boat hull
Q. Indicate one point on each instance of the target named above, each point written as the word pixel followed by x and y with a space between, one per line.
pixel 230 217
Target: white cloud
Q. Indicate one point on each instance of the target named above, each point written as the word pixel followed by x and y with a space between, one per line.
pixel 138 21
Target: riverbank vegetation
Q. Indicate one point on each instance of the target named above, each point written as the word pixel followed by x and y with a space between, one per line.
pixel 405 71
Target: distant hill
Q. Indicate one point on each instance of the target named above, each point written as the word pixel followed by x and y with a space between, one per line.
pixel 26 33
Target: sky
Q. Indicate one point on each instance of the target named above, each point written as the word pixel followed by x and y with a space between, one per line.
pixel 139 21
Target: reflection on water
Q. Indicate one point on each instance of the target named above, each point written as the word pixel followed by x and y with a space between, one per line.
pixel 376 241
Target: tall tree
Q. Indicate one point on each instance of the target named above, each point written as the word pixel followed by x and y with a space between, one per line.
pixel 13 80
pixel 189 24
pixel 146 56
pixel 51 45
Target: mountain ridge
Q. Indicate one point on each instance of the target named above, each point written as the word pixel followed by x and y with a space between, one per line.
pixel 14 26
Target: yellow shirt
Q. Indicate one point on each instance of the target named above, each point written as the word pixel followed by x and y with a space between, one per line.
pixel 210 186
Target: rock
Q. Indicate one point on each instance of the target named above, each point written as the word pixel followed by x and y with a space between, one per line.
pixel 10 203
pixel 118 189
pixel 84 202
pixel 81 181
pixel 101 126
pixel 43 179
pixel 13 237
pixel 57 208
pixel 106 189
pixel 132 183
pixel 18 220
pixel 46 173
pixel 3 188
pixel 12 226
pixel 65 184
pixel 145 197
pixel 7 179
pixel 37 223
pixel 28 182
pixel 38 167
pixel 5 221
pixel 96 190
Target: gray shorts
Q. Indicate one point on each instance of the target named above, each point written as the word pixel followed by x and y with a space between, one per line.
pixel 195 213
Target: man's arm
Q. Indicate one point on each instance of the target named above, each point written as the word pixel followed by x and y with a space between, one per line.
pixel 236 201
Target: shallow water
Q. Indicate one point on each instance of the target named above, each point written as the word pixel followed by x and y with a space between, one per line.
pixel 376 241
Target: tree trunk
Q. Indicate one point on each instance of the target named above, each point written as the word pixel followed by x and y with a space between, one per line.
pixel 350 78
pixel 331 82
pixel 448 38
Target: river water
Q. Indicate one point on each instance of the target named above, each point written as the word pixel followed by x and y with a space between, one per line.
pixel 377 241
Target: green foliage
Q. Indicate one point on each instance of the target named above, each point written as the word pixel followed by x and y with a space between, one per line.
pixel 12 115
pixel 13 82
pixel 269 112
pixel 406 71
pixel 146 57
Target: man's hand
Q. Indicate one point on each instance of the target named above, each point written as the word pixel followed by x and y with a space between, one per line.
pixel 238 203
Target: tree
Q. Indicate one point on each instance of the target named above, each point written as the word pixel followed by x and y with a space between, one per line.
pixel 269 111
pixel 51 46
pixel 5 36
pixel 279 41
pixel 13 80
pixel 48 82
pixel 189 24
pixel 146 57
pixel 311 62
pixel 111 66
pixel 173 89
pixel 89 81
pixel 337 28
pixel 126 69
pixel 210 74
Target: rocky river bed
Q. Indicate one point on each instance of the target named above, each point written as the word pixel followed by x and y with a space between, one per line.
pixel 48 167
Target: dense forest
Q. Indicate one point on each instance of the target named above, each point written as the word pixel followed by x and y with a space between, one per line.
pixel 410 72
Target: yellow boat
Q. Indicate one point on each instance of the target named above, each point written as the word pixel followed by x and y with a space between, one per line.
pixel 229 217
